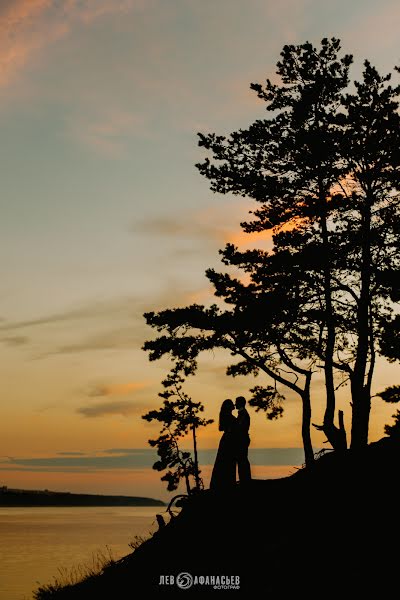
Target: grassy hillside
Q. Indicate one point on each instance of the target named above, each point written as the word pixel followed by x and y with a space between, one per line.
pixel 324 532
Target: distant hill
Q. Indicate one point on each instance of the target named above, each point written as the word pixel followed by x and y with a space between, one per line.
pixel 15 497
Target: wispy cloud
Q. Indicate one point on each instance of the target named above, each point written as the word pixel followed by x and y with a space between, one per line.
pixel 88 311
pixel 99 325
pixel 132 458
pixel 182 227
pixel 15 340
pixel 115 338
pixel 70 453
pixel 115 324
pixel 109 131
pixel 103 409
pixel 19 36
pixel 116 389
pixel 28 26
pixel 219 223
pixel 114 407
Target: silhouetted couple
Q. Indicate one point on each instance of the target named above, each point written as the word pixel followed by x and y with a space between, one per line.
pixel 233 447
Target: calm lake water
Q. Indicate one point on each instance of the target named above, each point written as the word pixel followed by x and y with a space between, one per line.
pixel 36 542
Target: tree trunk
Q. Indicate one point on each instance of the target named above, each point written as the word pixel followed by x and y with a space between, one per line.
pixel 196 460
pixel 336 435
pixel 342 432
pixel 188 490
pixel 360 392
pixel 361 401
pixel 328 426
pixel 305 399
pixel 306 423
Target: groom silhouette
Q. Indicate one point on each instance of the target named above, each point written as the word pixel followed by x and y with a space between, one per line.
pixel 243 440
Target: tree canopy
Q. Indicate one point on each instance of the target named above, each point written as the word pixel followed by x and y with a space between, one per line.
pixel 323 171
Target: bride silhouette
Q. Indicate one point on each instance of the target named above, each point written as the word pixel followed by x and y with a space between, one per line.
pixel 224 471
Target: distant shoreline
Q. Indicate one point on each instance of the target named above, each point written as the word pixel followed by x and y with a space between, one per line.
pixel 30 498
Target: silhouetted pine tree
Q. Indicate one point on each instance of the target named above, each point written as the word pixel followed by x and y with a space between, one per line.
pixel 369 227
pixel 259 330
pixel 394 430
pixel 289 164
pixel 326 164
pixel 392 395
pixel 324 169
pixel 178 415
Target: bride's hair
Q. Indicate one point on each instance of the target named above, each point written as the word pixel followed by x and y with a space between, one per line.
pixel 224 414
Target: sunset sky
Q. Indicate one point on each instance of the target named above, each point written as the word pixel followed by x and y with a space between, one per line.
pixel 104 217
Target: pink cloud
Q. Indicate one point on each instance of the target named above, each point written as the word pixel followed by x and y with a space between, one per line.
pixel 215 225
pixel 224 220
pixel 19 38
pixel 28 26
